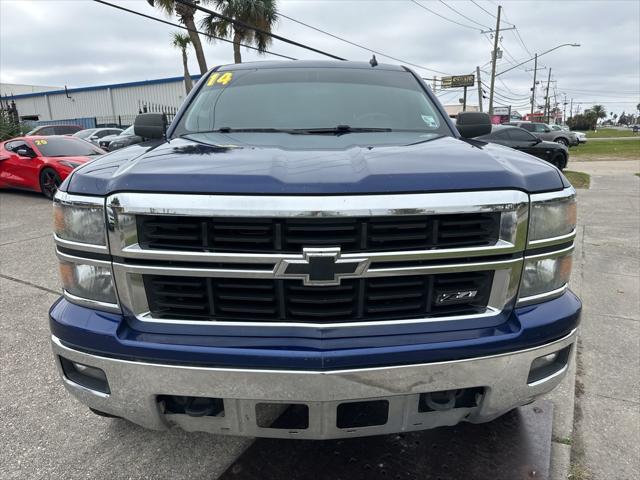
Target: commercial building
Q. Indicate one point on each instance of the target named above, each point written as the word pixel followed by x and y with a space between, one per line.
pixel 104 104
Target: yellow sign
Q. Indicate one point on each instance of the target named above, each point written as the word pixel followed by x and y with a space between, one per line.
pixel 219 79
pixel 40 142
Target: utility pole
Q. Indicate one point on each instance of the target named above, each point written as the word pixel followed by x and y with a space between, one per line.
pixel 571 109
pixel 479 88
pixel 533 90
pixel 546 99
pixel 464 100
pixel 564 110
pixel 494 56
pixel 433 85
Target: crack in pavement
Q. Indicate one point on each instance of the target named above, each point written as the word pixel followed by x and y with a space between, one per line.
pixel 25 239
pixel 24 282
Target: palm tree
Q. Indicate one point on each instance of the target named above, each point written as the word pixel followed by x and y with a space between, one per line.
pixel 599 111
pixel 182 41
pixel 262 14
pixel 186 14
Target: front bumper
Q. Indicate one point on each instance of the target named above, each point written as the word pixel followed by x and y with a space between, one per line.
pixel 135 387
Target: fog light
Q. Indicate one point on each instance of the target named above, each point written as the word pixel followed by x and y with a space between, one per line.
pixel 548 365
pixel 90 377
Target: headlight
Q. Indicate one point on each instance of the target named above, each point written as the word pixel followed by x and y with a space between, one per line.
pixel 81 220
pixel 545 274
pixel 552 215
pixel 87 282
pixel 552 226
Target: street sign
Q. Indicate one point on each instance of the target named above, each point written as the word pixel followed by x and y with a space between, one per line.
pixel 457 81
pixel 502 110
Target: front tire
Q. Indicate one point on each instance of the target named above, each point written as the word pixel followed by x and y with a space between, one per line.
pixel 559 161
pixel 49 182
pixel 562 141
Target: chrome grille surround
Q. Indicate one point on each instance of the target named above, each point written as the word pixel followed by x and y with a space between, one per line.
pixel 131 261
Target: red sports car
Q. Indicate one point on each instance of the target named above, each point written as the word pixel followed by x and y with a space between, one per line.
pixel 41 163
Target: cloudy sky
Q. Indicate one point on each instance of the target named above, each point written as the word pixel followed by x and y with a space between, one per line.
pixel 81 43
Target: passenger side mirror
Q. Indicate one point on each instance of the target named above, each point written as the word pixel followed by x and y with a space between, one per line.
pixel 150 125
pixel 547 129
pixel 473 124
pixel 26 152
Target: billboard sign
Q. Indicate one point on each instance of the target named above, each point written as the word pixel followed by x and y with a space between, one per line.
pixel 457 81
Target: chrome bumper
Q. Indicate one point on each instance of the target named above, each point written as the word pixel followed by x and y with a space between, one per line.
pixel 135 386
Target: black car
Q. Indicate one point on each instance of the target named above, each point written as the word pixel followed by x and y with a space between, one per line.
pixel 124 139
pixel 518 138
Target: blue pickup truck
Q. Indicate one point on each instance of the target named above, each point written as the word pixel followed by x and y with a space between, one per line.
pixel 313 250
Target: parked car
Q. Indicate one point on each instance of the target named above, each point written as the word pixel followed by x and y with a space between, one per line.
pixel 93 135
pixel 315 239
pixel 545 132
pixel 45 130
pixel 42 163
pixel 518 138
pixel 582 137
pixel 123 139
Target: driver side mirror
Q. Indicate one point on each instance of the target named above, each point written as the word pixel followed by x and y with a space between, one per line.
pixel 473 124
pixel 26 152
pixel 150 125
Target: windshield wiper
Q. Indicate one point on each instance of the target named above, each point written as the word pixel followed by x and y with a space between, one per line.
pixel 243 130
pixel 338 129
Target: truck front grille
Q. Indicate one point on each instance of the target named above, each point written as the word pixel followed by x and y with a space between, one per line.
pixel 241 299
pixel 291 235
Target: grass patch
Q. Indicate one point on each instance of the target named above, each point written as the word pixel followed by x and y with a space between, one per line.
pixel 611 132
pixel 607 150
pixel 637 174
pixel 562 440
pixel 578 179
pixel 578 472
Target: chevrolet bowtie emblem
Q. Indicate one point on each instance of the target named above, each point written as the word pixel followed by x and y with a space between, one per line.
pixel 322 266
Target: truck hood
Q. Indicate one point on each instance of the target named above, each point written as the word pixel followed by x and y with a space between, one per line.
pixel 317 164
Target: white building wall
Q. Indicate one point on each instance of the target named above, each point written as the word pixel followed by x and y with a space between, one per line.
pixel 81 104
pixel 108 101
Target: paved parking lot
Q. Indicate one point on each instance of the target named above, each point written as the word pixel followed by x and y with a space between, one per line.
pixel 46 434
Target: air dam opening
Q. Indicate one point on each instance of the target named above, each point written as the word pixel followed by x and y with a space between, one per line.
pixel 548 365
pixel 89 377
pixel 450 399
pixel 362 414
pixel 285 416
pixel 192 406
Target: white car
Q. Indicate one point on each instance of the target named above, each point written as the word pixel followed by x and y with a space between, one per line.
pixel 582 137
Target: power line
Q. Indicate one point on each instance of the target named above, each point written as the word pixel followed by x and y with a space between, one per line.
pixel 445 18
pixel 522 41
pixel 166 22
pixel 360 46
pixel 240 23
pixel 463 16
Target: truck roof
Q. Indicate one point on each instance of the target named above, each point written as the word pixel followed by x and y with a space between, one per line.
pixel 309 64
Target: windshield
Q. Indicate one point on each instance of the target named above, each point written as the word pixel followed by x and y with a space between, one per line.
pixel 126 131
pixel 312 98
pixel 84 133
pixel 66 147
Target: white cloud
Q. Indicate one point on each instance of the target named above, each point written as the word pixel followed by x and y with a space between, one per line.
pixel 79 42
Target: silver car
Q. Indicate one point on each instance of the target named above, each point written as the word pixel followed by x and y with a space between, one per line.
pixel 547 133
pixel 93 135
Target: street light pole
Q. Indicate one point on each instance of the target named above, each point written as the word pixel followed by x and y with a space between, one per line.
pixel 533 90
pixel 494 57
pixel 546 99
pixel 539 55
